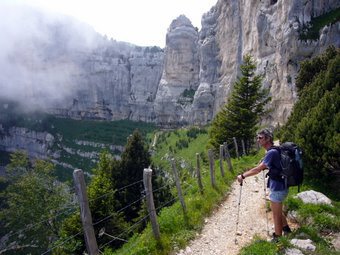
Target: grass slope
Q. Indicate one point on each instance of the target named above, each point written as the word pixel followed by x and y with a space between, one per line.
pixel 176 227
pixel 68 131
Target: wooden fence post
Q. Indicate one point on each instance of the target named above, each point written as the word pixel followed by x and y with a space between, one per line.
pixel 178 186
pixel 212 167
pixel 228 157
pixel 198 172
pixel 150 202
pixel 243 147
pixel 221 160
pixel 236 147
pixel 85 213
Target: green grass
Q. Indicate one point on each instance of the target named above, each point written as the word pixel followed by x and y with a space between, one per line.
pixel 107 132
pixel 177 228
pixel 168 146
pixel 68 131
pixel 260 247
pixel 322 217
pixel 316 223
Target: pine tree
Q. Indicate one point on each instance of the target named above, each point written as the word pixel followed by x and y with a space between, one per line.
pixel 134 159
pixel 240 116
pixel 314 123
pixel 104 207
pixel 103 203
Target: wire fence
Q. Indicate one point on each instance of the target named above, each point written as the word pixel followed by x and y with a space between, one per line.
pixel 74 207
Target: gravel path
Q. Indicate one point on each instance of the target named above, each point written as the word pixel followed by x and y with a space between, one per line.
pixel 218 234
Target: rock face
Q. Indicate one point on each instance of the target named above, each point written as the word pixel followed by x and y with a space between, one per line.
pixel 180 74
pixel 114 84
pixel 38 144
pixel 77 74
pixel 269 31
pixel 44 145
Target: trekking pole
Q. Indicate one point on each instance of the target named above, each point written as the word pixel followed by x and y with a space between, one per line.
pixel 238 213
pixel 265 202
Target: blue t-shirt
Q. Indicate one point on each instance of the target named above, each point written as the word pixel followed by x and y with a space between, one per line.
pixel 272 160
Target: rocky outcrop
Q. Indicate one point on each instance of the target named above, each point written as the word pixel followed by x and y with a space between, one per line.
pixel 180 74
pixel 44 145
pixel 37 144
pixel 268 30
pixel 205 103
pixel 114 85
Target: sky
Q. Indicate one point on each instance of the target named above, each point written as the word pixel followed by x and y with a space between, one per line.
pixel 141 22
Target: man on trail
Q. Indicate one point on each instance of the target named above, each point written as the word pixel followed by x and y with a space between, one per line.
pixel 278 189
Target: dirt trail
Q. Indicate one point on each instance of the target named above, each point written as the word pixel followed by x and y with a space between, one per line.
pixel 218 234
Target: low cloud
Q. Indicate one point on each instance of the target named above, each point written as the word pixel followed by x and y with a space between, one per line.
pixel 40 55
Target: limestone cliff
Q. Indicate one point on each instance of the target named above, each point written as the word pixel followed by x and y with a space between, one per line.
pixel 38 144
pixel 180 74
pixel 83 75
pixel 188 81
pixel 269 31
pixel 114 84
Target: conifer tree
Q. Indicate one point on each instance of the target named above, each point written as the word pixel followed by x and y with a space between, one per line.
pixel 135 158
pixel 104 207
pixel 240 116
pixel 314 123
pixel 103 203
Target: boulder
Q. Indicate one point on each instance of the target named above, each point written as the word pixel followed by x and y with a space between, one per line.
pixel 305 244
pixel 314 197
pixel 336 241
pixel 293 251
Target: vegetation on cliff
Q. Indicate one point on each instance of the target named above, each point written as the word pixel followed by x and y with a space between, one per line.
pixel 77 143
pixel 311 30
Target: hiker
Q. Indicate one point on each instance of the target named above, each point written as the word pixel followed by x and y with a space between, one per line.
pixel 278 189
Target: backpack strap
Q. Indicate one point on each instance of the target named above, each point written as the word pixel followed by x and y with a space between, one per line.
pixel 274 173
pixel 275 147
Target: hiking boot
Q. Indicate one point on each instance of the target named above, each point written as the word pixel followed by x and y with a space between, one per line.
pixel 275 238
pixel 286 230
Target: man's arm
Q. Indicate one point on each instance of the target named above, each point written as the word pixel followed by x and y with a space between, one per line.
pixel 251 172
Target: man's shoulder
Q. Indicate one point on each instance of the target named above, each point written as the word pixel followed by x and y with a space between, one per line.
pixel 272 154
pixel 273 149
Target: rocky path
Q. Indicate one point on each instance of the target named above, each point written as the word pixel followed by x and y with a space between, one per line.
pixel 218 235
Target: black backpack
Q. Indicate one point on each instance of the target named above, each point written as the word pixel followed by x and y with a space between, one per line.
pixel 291 163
